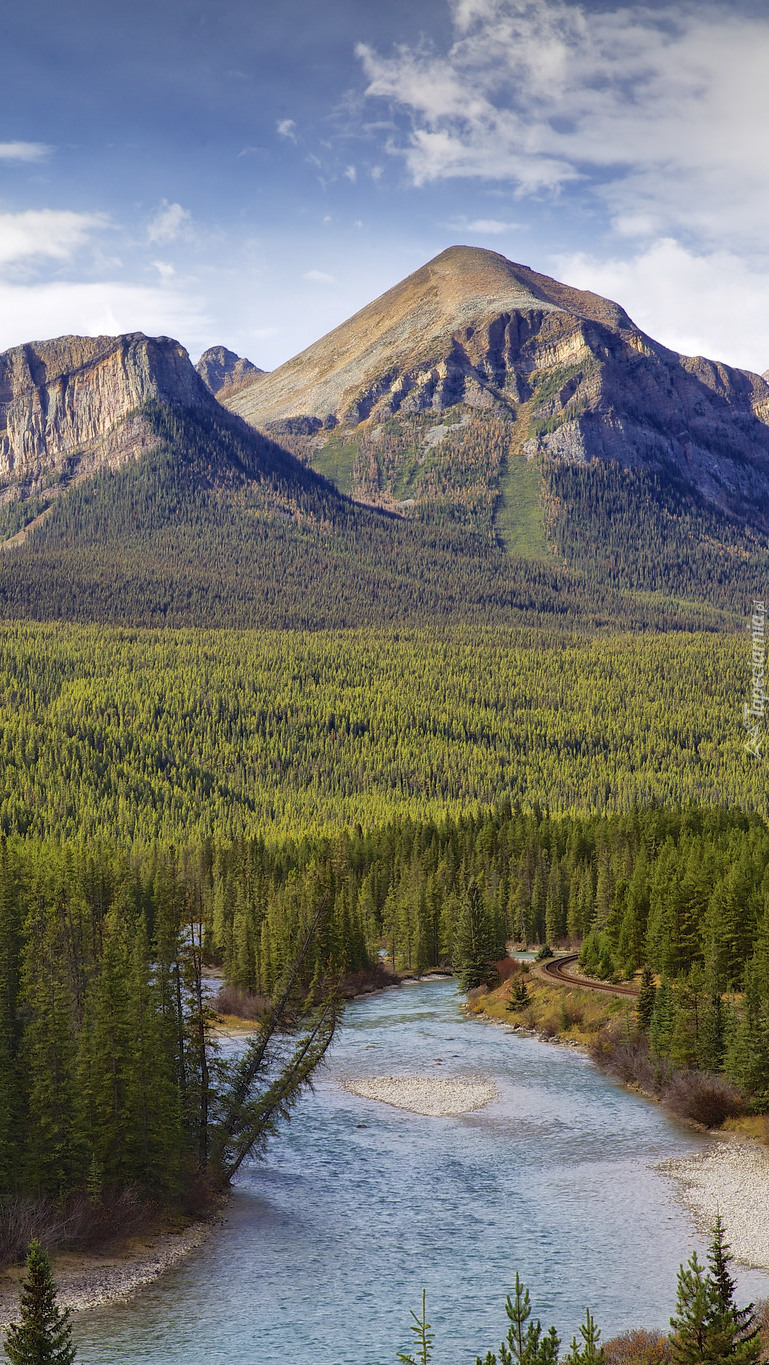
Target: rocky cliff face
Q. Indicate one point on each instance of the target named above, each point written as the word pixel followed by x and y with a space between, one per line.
pixel 222 369
pixel 477 338
pixel 72 405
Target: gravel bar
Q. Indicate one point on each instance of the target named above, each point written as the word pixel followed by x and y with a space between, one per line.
pixel 425 1094
pixel 732 1180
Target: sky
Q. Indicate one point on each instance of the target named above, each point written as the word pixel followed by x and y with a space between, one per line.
pixel 251 173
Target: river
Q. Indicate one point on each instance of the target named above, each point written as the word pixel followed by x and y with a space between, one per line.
pixel 328 1243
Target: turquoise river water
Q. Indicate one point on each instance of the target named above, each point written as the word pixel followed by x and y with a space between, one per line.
pixel 327 1244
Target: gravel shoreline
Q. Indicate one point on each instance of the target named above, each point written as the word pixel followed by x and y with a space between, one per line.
pixel 733 1180
pixel 108 1279
pixel 425 1094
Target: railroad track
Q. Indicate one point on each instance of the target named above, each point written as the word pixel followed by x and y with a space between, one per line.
pixel 554 969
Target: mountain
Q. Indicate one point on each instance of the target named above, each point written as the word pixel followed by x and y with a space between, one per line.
pixel 73 406
pixel 222 369
pixel 435 395
pixel 129 495
pixel 517 452
pixel 72 402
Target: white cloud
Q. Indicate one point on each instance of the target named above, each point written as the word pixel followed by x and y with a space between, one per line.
pixel 168 222
pixel 55 234
pixel 318 277
pixel 662 111
pixel 484 226
pixel 165 270
pixel 35 312
pixel 351 174
pixel 287 128
pixel 712 304
pixel 23 151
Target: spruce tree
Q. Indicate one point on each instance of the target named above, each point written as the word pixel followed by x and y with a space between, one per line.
pixel 709 1328
pixel 662 1020
pixel 735 1335
pixel 646 997
pixel 689 1338
pixel 472 945
pixel 44 1335
pixel 519 995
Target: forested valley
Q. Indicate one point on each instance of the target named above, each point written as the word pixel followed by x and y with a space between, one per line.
pixel 139 736
pixel 109 1081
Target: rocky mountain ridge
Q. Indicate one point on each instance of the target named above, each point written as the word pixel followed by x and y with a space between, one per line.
pixel 220 369
pixel 73 405
pixel 472 336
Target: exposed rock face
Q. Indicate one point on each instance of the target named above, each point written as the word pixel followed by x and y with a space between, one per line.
pixel 72 405
pixel 222 369
pixel 567 371
pixel 447 332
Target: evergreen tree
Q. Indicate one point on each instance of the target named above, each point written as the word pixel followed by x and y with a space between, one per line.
pixel 712 1035
pixel 44 1335
pixel 662 1020
pixel 690 1339
pixel 734 1329
pixel 589 1353
pixel 472 947
pixel 709 1328
pixel 519 995
pixel 525 1343
pixel 646 998
pixel 423 1338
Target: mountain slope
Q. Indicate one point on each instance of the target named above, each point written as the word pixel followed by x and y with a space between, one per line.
pixel 476 358
pixel 216 526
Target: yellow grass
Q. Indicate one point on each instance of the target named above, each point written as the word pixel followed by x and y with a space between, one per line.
pixel 557 1011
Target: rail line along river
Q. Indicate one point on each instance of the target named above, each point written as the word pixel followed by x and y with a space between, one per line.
pixel 361 1202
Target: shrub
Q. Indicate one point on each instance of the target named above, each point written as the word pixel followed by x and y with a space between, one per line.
pixel 549 1023
pixel 244 1004
pixel 630 1060
pixel 369 979
pixel 638 1348
pixel 702 1097
pixel 79 1224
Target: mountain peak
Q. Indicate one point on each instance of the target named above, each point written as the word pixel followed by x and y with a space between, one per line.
pixel 222 369
pixel 444 331
pixel 470 277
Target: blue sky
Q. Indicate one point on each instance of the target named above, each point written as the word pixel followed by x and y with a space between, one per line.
pixel 252 173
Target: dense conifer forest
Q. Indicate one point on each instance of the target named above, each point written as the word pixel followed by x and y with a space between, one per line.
pixel 135 735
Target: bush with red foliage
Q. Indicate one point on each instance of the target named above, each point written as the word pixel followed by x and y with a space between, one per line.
pixel 638 1348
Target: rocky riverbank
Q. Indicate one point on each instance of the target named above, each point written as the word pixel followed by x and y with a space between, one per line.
pixel 732 1179
pixel 88 1281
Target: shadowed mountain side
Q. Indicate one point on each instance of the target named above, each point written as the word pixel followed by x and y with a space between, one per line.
pixel 219 528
